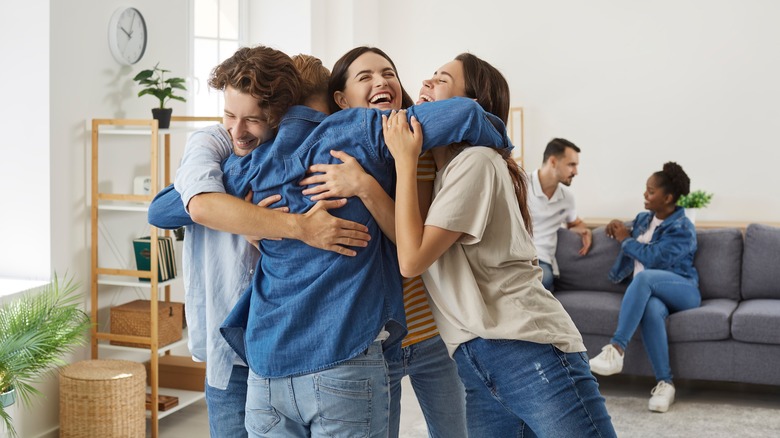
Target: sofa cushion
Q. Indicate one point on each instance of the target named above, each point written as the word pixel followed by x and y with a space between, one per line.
pixel 709 322
pixel 760 273
pixel 588 272
pixel 757 321
pixel 594 313
pixel 719 262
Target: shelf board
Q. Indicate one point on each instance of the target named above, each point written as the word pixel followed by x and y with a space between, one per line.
pixel 115 280
pixel 105 345
pixel 178 128
pixel 142 207
pixel 186 398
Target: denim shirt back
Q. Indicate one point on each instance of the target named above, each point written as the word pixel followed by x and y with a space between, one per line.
pixel 672 247
pixel 312 309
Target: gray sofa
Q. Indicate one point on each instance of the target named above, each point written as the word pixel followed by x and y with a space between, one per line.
pixel 734 336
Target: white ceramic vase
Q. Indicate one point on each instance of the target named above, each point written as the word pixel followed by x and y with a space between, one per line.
pixel 691 214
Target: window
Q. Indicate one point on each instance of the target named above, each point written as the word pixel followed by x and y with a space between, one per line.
pixel 217 34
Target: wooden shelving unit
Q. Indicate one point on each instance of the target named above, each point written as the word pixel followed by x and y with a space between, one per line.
pixel 133 204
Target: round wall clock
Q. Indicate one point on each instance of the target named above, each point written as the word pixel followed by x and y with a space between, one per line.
pixel 127 35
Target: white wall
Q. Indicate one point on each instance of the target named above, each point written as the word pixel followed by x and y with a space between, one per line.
pixel 634 84
pixel 24 121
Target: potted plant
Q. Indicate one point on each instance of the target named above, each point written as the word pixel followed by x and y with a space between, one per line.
pixel 36 330
pixel 154 83
pixel 693 201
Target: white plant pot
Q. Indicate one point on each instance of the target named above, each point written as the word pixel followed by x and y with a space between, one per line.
pixel 690 213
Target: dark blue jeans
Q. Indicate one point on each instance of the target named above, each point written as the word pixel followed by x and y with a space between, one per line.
pixel 523 389
pixel 226 407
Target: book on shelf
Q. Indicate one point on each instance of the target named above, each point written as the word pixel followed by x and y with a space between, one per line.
pixel 166 260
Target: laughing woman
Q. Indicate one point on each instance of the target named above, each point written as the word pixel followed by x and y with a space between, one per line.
pixel 365 77
pixel 518 353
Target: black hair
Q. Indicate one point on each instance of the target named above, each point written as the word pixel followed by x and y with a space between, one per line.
pixel 673 180
pixel 557 148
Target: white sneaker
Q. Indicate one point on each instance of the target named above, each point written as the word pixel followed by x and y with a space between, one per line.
pixel 608 362
pixel 662 397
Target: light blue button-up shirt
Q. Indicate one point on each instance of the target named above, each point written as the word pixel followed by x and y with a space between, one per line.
pixel 217 267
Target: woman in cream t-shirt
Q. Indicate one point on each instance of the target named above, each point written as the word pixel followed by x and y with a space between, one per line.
pixel 518 352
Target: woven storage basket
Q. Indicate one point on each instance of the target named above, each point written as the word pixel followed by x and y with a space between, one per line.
pixel 103 398
pixel 135 318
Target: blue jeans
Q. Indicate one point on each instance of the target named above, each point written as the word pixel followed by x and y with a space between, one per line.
pixel 436 384
pixel 649 299
pixel 547 276
pixel 226 406
pixel 349 399
pixel 524 389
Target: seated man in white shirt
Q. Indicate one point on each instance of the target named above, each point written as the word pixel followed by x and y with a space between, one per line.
pixel 552 204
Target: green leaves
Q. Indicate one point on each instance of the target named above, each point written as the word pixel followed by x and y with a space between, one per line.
pixel 36 330
pixel 695 199
pixel 155 84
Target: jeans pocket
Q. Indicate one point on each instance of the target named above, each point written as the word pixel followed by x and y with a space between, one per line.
pixel 344 406
pixel 261 416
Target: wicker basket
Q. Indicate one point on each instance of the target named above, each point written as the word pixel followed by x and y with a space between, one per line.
pixel 135 318
pixel 103 398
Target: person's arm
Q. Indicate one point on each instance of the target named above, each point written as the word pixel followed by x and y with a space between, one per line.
pixel 459 120
pixel 579 227
pixel 199 183
pixel 166 210
pixel 349 179
pixel 418 246
pixel 673 245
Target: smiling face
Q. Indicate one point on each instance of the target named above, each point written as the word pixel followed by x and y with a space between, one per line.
pixel 371 83
pixel 245 122
pixel 448 81
pixel 656 198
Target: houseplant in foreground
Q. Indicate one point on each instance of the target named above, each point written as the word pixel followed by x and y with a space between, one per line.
pixel 36 330
pixel 693 201
pixel 154 83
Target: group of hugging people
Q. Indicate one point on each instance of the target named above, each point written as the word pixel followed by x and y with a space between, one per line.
pixel 340 237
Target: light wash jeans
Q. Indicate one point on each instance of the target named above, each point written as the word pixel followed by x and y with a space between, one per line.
pixel 434 377
pixel 547 276
pixel 649 299
pixel 524 389
pixel 226 406
pixel 351 399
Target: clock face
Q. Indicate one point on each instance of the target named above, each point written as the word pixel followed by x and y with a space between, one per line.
pixel 127 35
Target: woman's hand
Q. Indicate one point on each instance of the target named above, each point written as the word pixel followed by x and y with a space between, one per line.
pixel 617 230
pixel 336 180
pixel 253 240
pixel 402 141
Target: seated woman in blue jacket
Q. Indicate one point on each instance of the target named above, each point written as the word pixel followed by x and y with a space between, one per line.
pixel 658 251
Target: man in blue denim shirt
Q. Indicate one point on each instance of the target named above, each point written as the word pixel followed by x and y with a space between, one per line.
pixel 311 310
pixel 218 266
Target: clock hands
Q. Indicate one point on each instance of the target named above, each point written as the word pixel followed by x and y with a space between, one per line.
pixel 129 34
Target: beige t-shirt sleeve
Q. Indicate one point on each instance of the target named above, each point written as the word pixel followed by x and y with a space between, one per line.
pixel 465 201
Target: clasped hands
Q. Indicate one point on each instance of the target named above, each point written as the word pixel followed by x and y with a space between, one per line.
pixel 617 230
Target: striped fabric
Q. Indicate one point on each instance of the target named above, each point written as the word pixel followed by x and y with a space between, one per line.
pixel 419 319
